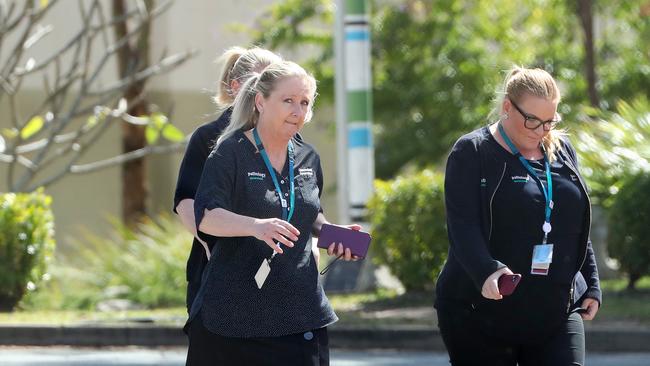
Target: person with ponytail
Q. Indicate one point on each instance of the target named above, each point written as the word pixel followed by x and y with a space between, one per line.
pixel 237 65
pixel 516 204
pixel 261 301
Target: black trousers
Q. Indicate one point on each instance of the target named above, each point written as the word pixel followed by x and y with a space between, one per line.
pixel 301 349
pixel 467 345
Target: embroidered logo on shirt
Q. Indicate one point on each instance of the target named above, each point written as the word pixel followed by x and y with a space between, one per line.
pixel 483 182
pixel 520 179
pixel 574 177
pixel 307 172
pixel 256 176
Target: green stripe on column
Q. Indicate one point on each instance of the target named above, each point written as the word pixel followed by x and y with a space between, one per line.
pixel 355 7
pixel 359 106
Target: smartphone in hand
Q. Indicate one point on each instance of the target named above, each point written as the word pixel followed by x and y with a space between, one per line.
pixel 507 283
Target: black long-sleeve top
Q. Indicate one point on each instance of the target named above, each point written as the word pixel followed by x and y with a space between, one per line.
pixel 189 175
pixel 198 149
pixel 494 216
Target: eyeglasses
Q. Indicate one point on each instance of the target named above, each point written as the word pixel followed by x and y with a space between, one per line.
pixel 532 123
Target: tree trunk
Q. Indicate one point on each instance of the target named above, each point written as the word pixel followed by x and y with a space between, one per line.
pixel 585 13
pixel 632 279
pixel 134 175
pixel 10 299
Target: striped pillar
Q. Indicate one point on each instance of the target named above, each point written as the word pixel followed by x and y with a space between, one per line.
pixel 358 89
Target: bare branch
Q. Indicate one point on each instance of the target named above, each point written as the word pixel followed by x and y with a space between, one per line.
pixel 75 148
pixel 102 164
pixel 13 114
pixel 135 120
pixel 74 138
pixel 159 68
pixel 123 158
pixel 20 159
pixel 18 19
pixel 13 59
pixel 64 121
pixel 72 91
pixel 6 86
pixel 40 33
pixel 34 17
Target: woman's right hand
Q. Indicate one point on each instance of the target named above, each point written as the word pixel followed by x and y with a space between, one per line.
pixel 272 229
pixel 490 288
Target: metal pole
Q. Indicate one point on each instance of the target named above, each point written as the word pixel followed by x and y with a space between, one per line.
pixel 358 87
pixel 341 122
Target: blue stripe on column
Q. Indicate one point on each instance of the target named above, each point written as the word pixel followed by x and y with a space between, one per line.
pixel 356 35
pixel 359 137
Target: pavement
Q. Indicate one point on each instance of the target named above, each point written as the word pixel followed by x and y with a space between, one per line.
pixel 600 338
pixel 175 356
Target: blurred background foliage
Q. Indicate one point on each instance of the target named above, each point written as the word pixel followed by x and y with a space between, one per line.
pixel 137 268
pixel 613 146
pixel 408 220
pixel 629 239
pixel 436 67
pixel 26 244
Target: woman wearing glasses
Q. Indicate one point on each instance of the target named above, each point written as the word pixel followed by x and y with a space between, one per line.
pixel 516 203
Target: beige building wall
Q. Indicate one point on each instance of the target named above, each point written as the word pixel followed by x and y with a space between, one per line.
pixel 87 201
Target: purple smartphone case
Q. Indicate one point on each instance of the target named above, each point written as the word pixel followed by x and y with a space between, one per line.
pixel 357 241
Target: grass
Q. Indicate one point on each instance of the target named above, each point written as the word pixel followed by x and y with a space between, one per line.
pixel 169 316
pixel 620 284
pixel 388 308
pixel 374 309
pixel 623 305
pixel 384 308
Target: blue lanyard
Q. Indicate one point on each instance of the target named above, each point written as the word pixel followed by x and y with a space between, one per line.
pixel 285 216
pixel 548 190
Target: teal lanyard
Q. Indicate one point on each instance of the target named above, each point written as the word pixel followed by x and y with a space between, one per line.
pixel 285 216
pixel 548 190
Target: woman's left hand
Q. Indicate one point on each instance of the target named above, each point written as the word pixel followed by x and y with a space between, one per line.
pixel 338 250
pixel 591 305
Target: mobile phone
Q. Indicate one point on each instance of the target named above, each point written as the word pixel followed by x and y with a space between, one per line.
pixel 508 283
pixel 357 241
pixel 582 311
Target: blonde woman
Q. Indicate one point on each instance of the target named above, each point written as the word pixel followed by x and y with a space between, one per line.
pixel 516 203
pixel 237 65
pixel 261 302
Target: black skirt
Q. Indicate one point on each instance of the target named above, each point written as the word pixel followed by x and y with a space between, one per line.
pixel 301 349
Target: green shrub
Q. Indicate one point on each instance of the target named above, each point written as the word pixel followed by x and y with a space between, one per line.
pixel 629 228
pixel 145 266
pixel 613 146
pixel 26 244
pixel 409 228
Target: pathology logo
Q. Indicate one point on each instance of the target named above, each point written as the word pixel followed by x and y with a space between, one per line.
pixel 256 176
pixel 520 179
pixel 307 172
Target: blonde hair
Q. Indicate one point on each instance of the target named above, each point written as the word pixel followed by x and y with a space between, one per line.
pixel 237 64
pixel 521 81
pixel 245 114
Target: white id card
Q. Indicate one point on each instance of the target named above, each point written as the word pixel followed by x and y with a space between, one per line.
pixel 262 273
pixel 542 259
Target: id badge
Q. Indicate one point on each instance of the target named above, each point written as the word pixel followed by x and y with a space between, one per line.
pixel 542 259
pixel 262 273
